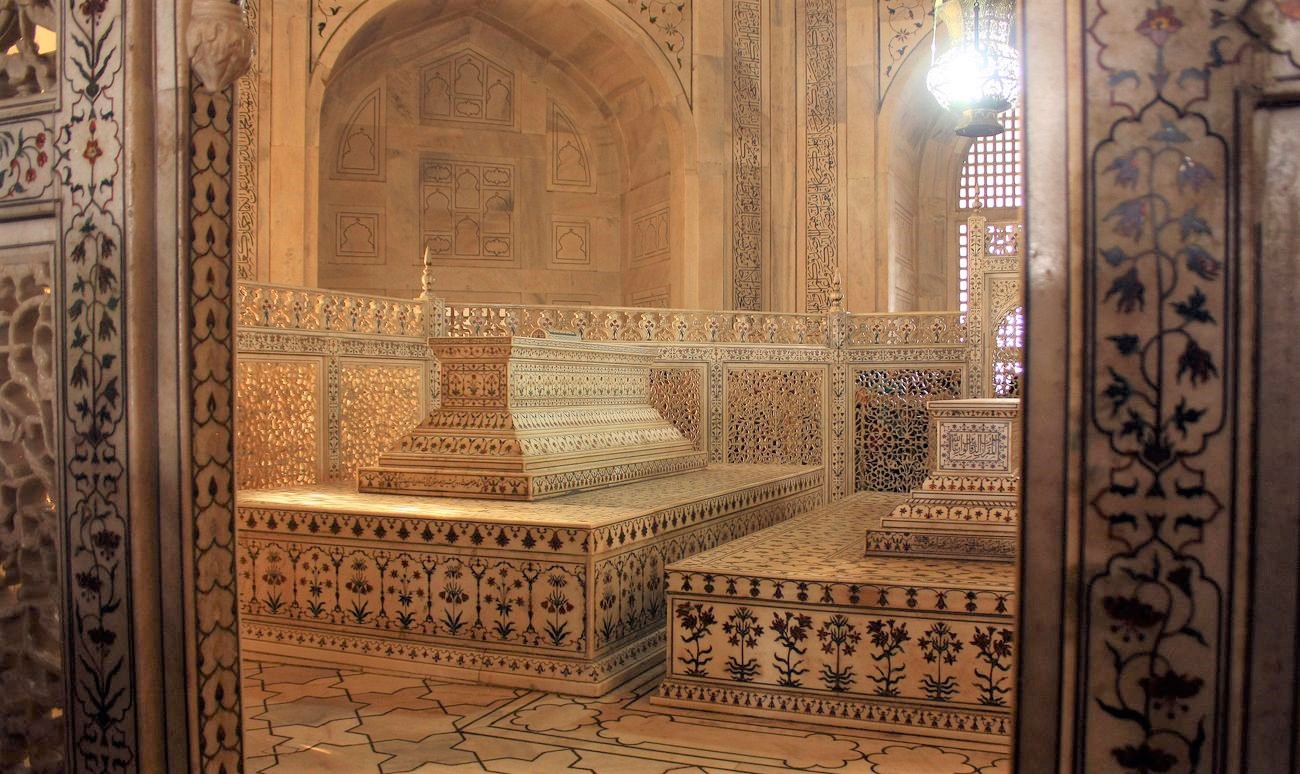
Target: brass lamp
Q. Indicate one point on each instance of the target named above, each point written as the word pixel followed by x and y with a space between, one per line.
pixel 978 75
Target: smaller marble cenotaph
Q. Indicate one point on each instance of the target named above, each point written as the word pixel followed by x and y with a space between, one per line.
pixel 969 505
pixel 526 419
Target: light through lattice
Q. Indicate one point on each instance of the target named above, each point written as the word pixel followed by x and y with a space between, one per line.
pixel 1008 350
pixel 993 174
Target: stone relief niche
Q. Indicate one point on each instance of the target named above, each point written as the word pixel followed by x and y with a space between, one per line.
pixel 359 235
pixel 650 238
pixel 467 209
pixel 509 165
pixel 467 86
pixel 570 167
pixel 361 144
pixel 572 242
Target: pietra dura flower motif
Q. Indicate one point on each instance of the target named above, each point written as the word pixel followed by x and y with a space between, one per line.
pixel 1162 298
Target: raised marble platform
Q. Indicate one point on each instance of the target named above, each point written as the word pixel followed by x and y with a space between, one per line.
pixel 524 419
pixel 793 621
pixel 564 594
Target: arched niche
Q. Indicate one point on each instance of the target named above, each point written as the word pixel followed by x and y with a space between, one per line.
pixel 584 83
pixel 920 158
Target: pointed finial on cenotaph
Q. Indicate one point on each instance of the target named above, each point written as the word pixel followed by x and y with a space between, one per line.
pixel 426 277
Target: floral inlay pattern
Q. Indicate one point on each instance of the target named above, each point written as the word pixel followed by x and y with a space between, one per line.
pixel 1164 285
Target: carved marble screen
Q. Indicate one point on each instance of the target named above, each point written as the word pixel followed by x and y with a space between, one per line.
pixel 891 443
pixel 31 642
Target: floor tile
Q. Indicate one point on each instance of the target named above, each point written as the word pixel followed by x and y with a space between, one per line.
pixel 260 742
pixel 436 748
pixel 365 682
pixel 795 750
pixel 408 725
pixel 292 673
pixel 281 692
pixel 555 717
pixel 489 748
pixel 340 733
pixel 377 724
pixel 311 711
pixel 919 760
pixel 406 698
pixel 560 761
pixel 329 759
pixel 452 694
pixel 440 768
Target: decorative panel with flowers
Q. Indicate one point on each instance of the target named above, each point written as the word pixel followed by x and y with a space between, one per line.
pixel 1165 374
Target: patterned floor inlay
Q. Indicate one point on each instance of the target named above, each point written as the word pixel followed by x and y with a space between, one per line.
pixel 318 720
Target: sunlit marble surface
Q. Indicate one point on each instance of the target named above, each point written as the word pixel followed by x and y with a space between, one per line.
pixel 827 545
pixel 584 509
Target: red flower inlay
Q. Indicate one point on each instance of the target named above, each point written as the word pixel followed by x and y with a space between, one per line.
pixel 1160 25
pixel 93 7
pixel 31 175
pixel 92 151
pixel 40 140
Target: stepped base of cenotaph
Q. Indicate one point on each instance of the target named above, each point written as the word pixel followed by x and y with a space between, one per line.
pixel 562 594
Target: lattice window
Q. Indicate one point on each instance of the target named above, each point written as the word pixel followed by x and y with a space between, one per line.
pixel 963 269
pixel 993 174
pixel 1008 354
pixel 992 179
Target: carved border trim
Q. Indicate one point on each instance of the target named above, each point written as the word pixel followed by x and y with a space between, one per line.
pixel 211 348
pixel 94 498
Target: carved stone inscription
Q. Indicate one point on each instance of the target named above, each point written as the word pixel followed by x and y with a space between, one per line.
pixel 821 152
pixel 467 209
pixel 973 446
pixel 747 153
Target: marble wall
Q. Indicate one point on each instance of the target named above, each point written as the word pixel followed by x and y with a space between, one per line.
pixel 468 143
pixel 740 154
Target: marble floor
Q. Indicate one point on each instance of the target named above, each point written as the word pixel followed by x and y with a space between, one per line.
pixel 321 719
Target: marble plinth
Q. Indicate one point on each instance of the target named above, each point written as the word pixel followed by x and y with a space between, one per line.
pixel 969 505
pixel 525 419
pixel 563 594
pixel 794 622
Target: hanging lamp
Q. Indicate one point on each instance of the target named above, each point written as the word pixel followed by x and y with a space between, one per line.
pixel 977 76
